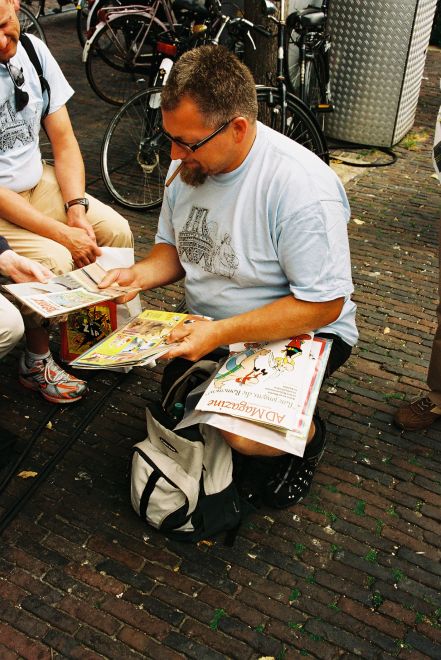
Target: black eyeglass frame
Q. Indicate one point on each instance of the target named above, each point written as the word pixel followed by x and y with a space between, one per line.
pixel 21 97
pixel 196 145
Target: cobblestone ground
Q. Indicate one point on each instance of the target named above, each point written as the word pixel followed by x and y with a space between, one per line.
pixel 352 571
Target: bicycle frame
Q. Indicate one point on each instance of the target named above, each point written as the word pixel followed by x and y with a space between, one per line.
pixel 152 8
pixel 280 69
pixel 112 14
pixel 310 42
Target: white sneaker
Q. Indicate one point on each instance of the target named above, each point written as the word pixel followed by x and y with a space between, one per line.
pixel 55 384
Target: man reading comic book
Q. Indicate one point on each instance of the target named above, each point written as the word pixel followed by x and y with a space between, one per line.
pixel 257 225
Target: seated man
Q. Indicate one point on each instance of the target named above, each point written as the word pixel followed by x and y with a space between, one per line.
pixel 19 269
pixel 44 213
pixel 280 215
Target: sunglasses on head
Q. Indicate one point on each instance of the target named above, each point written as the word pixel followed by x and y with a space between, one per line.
pixel 20 96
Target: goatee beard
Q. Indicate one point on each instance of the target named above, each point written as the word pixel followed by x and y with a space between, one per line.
pixel 193 176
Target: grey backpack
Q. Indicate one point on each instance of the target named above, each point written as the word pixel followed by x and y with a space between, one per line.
pixel 182 483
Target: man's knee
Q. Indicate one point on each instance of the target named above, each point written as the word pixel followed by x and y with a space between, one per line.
pixel 240 444
pixel 11 330
pixel 118 232
pixel 58 260
pixel 111 229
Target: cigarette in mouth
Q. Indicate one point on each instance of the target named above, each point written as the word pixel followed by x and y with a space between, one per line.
pixel 174 175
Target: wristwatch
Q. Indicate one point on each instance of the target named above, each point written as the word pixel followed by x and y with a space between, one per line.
pixel 79 200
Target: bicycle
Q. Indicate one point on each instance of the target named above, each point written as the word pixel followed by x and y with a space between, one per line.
pixel 29 23
pixel 39 10
pixel 120 55
pixel 88 17
pixel 306 52
pixel 135 156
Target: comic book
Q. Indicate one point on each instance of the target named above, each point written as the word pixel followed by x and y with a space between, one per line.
pixel 139 342
pixel 266 391
pixel 85 327
pixel 66 293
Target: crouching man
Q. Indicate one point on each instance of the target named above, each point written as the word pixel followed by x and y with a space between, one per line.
pixel 257 225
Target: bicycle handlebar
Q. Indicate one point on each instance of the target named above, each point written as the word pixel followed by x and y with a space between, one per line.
pixel 251 26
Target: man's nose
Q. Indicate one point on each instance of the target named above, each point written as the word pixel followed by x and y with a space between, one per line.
pixel 177 152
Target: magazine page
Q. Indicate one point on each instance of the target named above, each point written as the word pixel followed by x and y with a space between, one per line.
pixel 53 299
pixel 85 328
pixel 292 442
pixel 69 292
pixel 278 438
pixel 264 383
pixel 89 277
pixel 143 337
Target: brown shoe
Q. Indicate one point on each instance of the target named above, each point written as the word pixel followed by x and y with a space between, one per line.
pixel 418 415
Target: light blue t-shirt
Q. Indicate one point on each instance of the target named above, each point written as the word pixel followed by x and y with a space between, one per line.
pixel 20 157
pixel 275 225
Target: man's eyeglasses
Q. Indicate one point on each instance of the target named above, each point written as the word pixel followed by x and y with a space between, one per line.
pixel 196 145
pixel 20 96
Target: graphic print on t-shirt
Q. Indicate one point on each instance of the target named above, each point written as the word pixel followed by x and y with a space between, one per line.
pixel 14 130
pixel 199 243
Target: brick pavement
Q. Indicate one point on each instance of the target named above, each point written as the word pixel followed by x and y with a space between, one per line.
pixel 352 571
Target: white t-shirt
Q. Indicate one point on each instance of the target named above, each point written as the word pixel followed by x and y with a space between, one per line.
pixel 20 158
pixel 275 225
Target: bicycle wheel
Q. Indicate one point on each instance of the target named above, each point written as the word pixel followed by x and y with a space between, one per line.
pixel 301 124
pixel 122 57
pixel 134 156
pixel 315 88
pixel 29 23
pixel 291 59
pixel 34 6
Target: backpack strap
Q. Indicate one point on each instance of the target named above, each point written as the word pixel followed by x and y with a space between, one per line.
pixel 45 87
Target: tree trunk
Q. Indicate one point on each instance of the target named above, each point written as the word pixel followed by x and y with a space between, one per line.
pixel 261 61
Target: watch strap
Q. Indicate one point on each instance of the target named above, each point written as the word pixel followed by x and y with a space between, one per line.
pixel 79 200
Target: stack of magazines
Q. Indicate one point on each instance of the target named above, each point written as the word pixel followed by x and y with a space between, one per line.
pixel 266 391
pixel 138 343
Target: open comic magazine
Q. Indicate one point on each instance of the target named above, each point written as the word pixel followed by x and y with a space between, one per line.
pixel 137 343
pixel 66 293
pixel 266 392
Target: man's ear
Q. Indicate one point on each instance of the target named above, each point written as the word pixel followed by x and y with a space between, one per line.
pixel 240 128
pixel 16 4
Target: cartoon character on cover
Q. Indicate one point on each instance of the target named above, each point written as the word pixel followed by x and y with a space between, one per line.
pixel 243 367
pixel 93 325
pixel 292 349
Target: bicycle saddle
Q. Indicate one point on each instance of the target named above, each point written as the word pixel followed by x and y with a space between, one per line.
pixel 309 19
pixel 196 7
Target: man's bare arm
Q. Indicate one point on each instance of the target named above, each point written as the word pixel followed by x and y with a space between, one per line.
pixel 280 319
pixel 69 170
pixel 15 209
pixel 68 161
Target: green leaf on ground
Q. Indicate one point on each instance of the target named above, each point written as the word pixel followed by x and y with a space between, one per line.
pixel 217 616
pixel 371 556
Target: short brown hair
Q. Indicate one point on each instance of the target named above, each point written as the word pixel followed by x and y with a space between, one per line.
pixel 215 79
